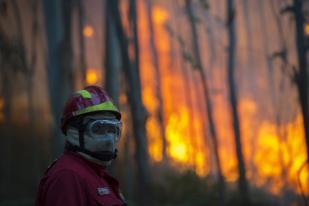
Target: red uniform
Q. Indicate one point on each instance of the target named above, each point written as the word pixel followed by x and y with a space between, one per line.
pixel 74 181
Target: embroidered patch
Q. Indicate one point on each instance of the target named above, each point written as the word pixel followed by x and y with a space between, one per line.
pixel 103 191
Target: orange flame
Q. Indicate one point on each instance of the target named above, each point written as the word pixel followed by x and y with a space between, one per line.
pixel 159 15
pixel 272 160
pixel 88 31
pixel 92 76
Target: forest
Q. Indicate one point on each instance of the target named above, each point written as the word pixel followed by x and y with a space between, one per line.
pixel 214 96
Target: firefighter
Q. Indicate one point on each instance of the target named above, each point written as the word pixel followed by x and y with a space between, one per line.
pixel 91 124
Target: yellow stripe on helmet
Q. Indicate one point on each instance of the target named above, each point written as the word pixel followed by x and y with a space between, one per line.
pixel 105 106
pixel 84 93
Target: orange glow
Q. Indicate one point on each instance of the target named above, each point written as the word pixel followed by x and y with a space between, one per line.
pixel 159 15
pixel 306 29
pixel 155 140
pixel 272 159
pixel 175 134
pixel 291 150
pixel 92 76
pixel 183 150
pixel 88 31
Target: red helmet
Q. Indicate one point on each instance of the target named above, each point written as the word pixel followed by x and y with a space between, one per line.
pixel 89 100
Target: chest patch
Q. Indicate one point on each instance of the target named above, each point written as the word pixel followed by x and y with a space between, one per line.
pixel 103 191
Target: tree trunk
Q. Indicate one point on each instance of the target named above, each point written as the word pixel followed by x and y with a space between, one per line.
pixel 301 77
pixel 242 181
pixel 156 64
pixel 199 66
pixel 58 62
pixel 112 56
pixel 138 111
pixel 66 58
pixel 82 48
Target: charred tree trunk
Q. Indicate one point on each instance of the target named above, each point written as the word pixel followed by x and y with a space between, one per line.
pixel 242 181
pixel 301 76
pixel 112 56
pixel 82 48
pixel 210 35
pixel 138 112
pixel 199 65
pixel 156 64
pixel 59 63
pixel 66 59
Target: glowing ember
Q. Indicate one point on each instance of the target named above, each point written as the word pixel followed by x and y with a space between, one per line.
pixel 179 142
pixel 92 76
pixel 159 15
pixel 154 139
pixel 279 155
pixel 88 31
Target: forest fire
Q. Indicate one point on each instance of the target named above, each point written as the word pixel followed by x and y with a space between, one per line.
pixel 212 103
pixel 273 154
pixel 280 158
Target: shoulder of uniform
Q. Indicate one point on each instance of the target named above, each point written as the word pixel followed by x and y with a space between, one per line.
pixel 50 166
pixel 67 175
pixel 65 164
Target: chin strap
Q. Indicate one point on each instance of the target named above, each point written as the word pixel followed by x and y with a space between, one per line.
pixel 101 155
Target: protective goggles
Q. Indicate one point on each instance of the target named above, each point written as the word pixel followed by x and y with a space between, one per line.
pixel 102 127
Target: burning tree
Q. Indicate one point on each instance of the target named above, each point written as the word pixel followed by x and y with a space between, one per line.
pixel 242 180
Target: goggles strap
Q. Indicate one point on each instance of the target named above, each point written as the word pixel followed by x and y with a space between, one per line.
pixel 81 137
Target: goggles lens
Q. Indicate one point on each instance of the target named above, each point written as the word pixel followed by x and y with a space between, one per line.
pixel 102 127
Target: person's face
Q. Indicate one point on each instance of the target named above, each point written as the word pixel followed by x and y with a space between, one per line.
pixel 102 132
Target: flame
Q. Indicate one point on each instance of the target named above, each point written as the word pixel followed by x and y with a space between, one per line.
pixel 273 160
pixel 277 156
pixel 159 15
pixel 92 76
pixel 177 136
pixel 88 31
pixel 154 139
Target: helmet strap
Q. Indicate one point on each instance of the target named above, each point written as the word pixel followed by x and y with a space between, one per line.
pixel 81 139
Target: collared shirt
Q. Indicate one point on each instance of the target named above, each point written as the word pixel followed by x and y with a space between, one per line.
pixel 73 180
